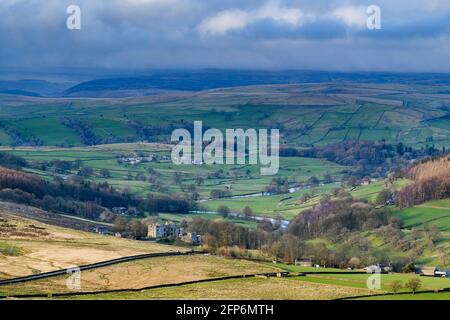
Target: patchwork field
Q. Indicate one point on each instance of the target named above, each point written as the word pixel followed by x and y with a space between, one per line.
pixel 307 114
pixel 241 179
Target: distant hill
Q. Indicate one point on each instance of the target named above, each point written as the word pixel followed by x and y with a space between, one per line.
pixel 213 79
pixel 33 88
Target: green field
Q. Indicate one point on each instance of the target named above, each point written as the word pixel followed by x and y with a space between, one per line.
pixel 209 216
pixel 417 296
pixel 433 212
pixel 345 277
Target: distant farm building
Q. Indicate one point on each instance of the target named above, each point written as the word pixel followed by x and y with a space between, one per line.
pixel 303 262
pixel 430 271
pixel 126 211
pixel 425 270
pixel 119 210
pixel 378 268
pixel 166 230
pixel 101 230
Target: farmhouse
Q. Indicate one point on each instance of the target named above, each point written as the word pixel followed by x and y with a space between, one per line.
pixel 166 230
pixel 169 230
pixel 126 211
pixel 101 230
pixel 134 160
pixel 303 262
pixel 378 268
pixel 431 271
pixel 119 210
pixel 425 270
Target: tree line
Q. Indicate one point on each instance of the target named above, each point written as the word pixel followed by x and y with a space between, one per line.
pixel 375 158
pixel 431 182
pixel 81 197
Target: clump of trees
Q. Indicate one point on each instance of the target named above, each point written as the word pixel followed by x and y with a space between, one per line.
pixel 278 185
pixel 177 203
pixel 83 130
pixel 334 217
pixel 59 166
pixel 134 228
pixel 217 234
pixel 220 193
pixel 20 139
pixel 11 161
pixel 374 157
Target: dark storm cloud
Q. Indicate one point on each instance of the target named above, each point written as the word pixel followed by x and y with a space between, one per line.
pixel 142 34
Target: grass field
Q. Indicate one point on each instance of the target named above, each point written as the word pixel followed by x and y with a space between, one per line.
pixel 210 216
pixel 359 280
pixel 244 289
pixel 356 279
pixel 433 212
pixel 417 296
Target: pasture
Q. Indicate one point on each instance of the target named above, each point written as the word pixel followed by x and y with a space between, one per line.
pixel 435 213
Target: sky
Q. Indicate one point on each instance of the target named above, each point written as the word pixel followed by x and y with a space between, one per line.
pixel 246 34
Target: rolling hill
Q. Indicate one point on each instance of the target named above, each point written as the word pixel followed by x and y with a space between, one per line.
pixel 306 114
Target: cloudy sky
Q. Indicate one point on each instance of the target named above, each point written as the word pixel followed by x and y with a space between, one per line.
pixel 265 34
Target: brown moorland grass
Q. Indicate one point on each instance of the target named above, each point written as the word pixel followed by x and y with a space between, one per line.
pixel 145 273
pixel 46 248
